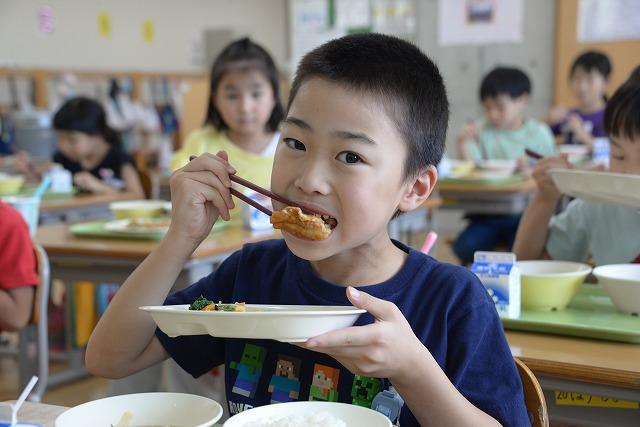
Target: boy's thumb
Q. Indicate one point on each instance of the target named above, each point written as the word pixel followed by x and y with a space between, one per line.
pixel 376 307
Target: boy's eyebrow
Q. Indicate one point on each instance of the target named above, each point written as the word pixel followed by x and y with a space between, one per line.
pixel 297 122
pixel 341 134
pixel 614 142
pixel 358 136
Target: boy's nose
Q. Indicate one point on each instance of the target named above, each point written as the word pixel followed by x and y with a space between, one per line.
pixel 312 179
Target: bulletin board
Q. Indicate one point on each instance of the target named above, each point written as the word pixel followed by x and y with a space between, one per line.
pixel 623 54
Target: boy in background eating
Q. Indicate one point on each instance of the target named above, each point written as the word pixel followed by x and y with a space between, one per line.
pixel 504 134
pixel 606 232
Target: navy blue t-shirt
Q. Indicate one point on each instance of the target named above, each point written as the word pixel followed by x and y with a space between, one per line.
pixel 446 306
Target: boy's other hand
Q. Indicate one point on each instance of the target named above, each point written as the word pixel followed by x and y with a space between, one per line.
pixel 200 194
pixel 88 182
pixel 546 187
pixel 382 349
pixel 557 114
pixel 469 131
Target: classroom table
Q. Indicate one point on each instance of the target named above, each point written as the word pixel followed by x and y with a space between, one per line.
pixel 102 260
pixel 39 413
pixel 483 197
pixel 585 367
pixel 80 207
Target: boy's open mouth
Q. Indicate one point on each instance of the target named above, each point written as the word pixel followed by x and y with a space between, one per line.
pixel 329 221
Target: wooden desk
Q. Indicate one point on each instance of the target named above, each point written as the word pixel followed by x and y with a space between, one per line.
pixel 113 260
pixel 81 207
pixel 594 367
pixel 39 413
pixel 486 198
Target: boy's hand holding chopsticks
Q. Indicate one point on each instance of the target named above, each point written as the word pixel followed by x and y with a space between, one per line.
pixel 200 193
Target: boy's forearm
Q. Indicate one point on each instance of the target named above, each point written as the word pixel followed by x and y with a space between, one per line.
pixel 533 230
pixel 432 398
pixel 115 344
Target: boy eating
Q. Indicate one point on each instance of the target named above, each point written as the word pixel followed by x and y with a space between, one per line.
pixel 365 128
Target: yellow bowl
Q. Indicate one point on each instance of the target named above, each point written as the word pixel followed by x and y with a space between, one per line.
pixel 10 184
pixel 550 285
pixel 138 208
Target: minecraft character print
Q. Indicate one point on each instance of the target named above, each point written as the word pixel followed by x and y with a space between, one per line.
pixel 324 384
pixel 285 382
pixel 388 403
pixel 364 389
pixel 249 370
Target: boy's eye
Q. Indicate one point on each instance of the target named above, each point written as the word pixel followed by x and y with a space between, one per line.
pixel 256 94
pixel 231 96
pixel 294 144
pixel 619 158
pixel 349 157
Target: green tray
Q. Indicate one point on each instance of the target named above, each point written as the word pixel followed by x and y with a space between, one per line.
pixel 29 189
pixel 96 229
pixel 590 314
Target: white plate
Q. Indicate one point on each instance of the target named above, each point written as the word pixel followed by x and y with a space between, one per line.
pixel 138 227
pixel 174 409
pixel 352 415
pixel 604 187
pixel 287 323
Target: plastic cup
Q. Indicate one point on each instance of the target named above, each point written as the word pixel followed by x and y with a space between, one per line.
pixel 29 209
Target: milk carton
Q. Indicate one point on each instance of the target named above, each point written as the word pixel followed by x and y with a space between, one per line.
pixel 500 275
pixel 252 218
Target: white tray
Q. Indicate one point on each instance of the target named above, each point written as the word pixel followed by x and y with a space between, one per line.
pixel 287 323
pixel 604 187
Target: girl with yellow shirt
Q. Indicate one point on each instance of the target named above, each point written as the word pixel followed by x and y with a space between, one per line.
pixel 243 115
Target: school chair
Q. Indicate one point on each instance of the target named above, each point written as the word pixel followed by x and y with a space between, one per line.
pixel 533 396
pixel 35 359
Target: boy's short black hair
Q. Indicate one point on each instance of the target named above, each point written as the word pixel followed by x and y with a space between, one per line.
pixel 405 81
pixel 592 60
pixel 622 113
pixel 509 81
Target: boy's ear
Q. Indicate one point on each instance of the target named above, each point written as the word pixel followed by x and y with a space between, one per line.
pixel 524 98
pixel 418 189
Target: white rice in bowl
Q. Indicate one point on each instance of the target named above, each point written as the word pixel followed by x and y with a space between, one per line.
pixel 320 419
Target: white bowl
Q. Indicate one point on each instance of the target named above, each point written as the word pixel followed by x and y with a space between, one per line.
pixel 147 409
pixel 622 283
pixel 576 152
pixel 501 168
pixel 352 415
pixel 138 208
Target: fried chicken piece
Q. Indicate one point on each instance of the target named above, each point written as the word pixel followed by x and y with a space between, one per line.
pixel 293 221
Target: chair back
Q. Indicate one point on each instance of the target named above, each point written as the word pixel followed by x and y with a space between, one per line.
pixel 533 396
pixel 38 329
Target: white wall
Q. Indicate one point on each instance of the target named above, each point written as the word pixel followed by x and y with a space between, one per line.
pixel 178 44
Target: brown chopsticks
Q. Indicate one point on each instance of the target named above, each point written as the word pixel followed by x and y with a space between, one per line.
pixel 263 191
pixel 533 154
